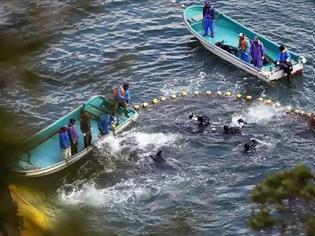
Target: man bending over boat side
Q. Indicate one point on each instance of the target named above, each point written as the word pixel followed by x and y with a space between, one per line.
pixel 64 142
pixel 208 19
pixel 257 52
pixel 284 62
pixel 85 126
pixel 122 97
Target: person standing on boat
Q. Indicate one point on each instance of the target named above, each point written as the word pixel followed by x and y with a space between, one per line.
pixel 257 52
pixel 122 97
pixel 243 47
pixel 85 126
pixel 104 125
pixel 73 136
pixel 284 61
pixel 64 142
pixel 208 18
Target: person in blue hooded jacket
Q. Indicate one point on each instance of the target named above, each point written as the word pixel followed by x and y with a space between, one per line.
pixel 64 142
pixel 284 61
pixel 104 125
pixel 208 19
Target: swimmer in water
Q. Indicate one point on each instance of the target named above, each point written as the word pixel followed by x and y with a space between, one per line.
pixel 228 129
pixel 231 130
pixel 202 120
pixel 250 145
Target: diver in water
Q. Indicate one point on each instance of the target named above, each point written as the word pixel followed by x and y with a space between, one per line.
pixel 202 120
pixel 194 124
pixel 229 129
pixel 251 144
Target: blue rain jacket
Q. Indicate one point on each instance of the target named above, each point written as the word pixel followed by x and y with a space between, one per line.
pixel 64 140
pixel 284 56
pixel 104 124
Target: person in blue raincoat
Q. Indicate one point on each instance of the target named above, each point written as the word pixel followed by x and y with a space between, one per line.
pixel 104 125
pixel 284 61
pixel 208 19
pixel 257 52
pixel 64 142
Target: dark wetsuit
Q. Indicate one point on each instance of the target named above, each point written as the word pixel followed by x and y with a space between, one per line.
pixel 203 121
pixel 250 145
pixel 231 130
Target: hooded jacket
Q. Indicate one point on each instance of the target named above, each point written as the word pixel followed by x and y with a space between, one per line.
pixel 64 140
pixel 104 124
pixel 257 51
pixel 73 134
pixel 284 56
pixel 208 11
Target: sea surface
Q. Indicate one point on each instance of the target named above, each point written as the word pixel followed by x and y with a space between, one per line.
pixel 204 187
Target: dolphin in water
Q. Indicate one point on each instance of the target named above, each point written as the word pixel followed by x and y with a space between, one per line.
pixel 158 158
pixel 162 162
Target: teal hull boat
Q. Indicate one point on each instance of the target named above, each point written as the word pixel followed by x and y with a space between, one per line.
pixel 44 156
pixel 227 31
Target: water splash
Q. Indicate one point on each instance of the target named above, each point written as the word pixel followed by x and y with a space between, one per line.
pixel 134 140
pixel 259 113
pixel 128 192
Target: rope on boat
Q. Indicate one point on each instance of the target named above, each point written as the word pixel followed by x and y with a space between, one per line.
pixel 221 94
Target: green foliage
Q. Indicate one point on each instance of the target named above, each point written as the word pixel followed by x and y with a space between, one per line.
pixel 286 202
pixel 310 226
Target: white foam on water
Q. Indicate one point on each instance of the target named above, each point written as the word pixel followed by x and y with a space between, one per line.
pixel 197 83
pixel 133 140
pixel 259 113
pixel 126 192
pixel 111 143
pixel 123 192
pixel 147 140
